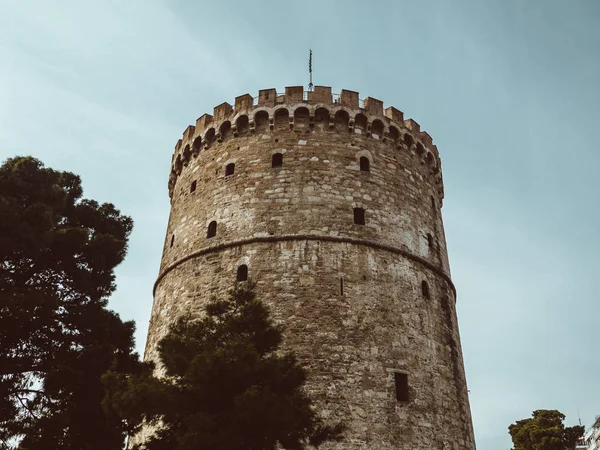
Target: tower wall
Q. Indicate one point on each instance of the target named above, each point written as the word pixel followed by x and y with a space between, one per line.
pixel 359 302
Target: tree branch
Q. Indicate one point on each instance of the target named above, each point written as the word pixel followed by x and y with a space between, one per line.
pixel 26 406
pixel 31 391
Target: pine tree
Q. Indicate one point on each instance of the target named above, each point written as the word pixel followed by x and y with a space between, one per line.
pixel 58 252
pixel 225 384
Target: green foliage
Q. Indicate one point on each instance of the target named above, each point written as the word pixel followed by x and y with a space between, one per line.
pixel 57 255
pixel 224 385
pixel 544 431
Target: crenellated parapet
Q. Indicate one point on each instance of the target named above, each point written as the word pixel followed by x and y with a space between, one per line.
pixel 305 111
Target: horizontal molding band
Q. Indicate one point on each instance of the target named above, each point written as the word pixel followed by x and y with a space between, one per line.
pixel 306 237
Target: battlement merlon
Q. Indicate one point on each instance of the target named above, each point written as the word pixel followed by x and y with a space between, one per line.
pixel 395 115
pixel 243 103
pixel 267 97
pixel 222 112
pixel 189 132
pixel 427 140
pixel 203 121
pixel 373 106
pixel 349 98
pixel 321 94
pixel 294 94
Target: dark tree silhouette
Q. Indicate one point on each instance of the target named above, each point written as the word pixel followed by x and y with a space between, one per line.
pixel 225 385
pixel 57 255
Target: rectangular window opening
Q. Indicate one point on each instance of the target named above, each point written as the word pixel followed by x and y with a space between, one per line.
pixel 401 381
pixel 341 286
pixel 277 160
pixel 359 216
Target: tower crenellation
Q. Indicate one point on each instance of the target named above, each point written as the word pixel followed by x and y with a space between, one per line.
pixel 388 126
pixel 332 205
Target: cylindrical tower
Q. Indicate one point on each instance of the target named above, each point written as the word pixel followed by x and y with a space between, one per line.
pixel 332 206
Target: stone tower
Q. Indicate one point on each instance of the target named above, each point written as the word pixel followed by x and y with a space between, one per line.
pixel 331 204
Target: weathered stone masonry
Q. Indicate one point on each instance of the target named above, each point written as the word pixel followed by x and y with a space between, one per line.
pixel 274 186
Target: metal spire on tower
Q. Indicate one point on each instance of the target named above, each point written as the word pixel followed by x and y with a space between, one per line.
pixel 310 84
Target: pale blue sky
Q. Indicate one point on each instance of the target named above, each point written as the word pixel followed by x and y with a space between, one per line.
pixel 507 88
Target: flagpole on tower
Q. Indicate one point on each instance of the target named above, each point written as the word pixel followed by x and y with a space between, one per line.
pixel 310 84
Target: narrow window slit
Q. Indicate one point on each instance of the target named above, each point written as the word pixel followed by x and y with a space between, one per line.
pixel 365 164
pixel 359 216
pixel 425 289
pixel 401 384
pixel 242 273
pixel 212 229
pixel 277 160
